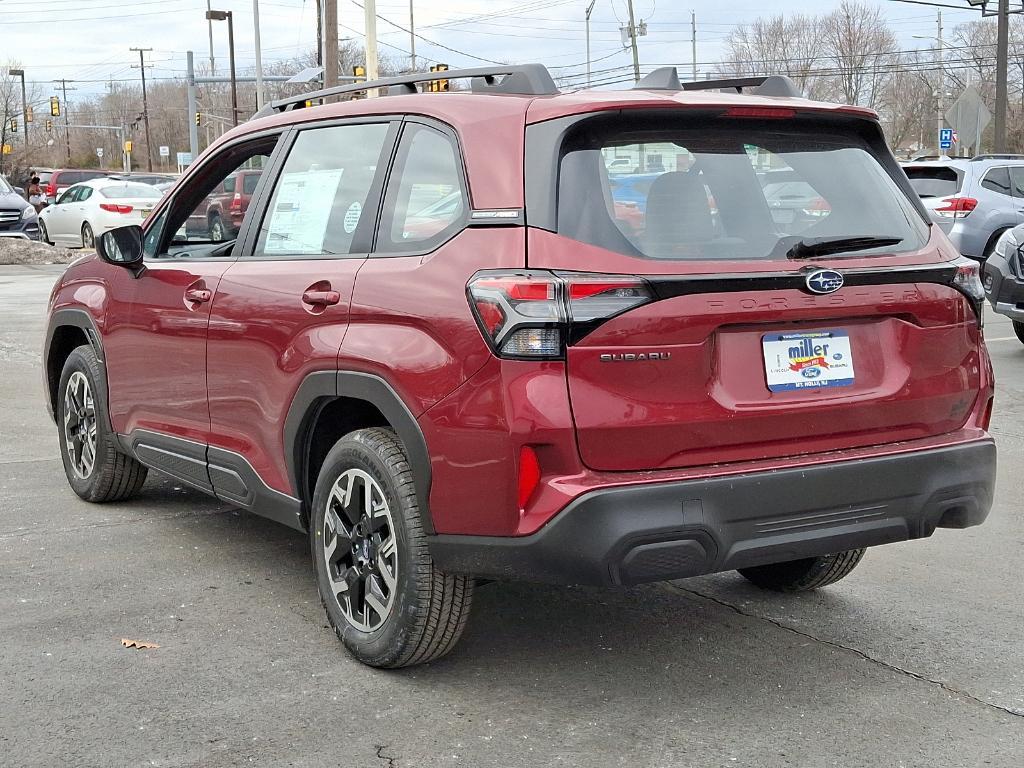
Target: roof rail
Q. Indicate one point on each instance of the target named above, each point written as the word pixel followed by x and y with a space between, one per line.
pixel 1003 156
pixel 518 79
pixel 667 79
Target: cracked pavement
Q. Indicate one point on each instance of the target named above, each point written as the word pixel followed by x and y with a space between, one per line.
pixel 915 659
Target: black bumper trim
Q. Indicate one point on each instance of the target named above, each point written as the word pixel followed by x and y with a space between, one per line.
pixel 654 532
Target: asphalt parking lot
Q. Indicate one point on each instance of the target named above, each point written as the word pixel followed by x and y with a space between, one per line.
pixel 916 659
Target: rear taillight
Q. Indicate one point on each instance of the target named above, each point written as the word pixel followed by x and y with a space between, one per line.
pixel 236 202
pixel 114 208
pixel 51 189
pixel 818 207
pixel 967 280
pixel 957 207
pixel 534 314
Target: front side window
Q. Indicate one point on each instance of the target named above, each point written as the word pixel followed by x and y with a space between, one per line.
pixel 320 198
pixel 424 204
pixel 706 190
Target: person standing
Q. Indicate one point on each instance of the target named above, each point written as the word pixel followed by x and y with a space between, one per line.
pixel 35 194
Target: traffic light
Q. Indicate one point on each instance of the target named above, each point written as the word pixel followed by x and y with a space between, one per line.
pixel 359 71
pixel 49 125
pixel 199 118
pixel 438 85
pixel 28 114
pixel 14 124
pixel 54 106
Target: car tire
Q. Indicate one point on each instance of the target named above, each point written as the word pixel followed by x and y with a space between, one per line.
pixel 44 236
pixel 1018 328
pixel 803 575
pixel 88 237
pixel 95 467
pixel 386 600
pixel 216 230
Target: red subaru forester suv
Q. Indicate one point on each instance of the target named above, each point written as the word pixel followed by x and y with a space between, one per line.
pixel 434 345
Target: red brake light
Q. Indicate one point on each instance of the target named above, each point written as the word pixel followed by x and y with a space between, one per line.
pixel 114 208
pixel 957 207
pixel 51 189
pixel 533 314
pixel 529 474
pixel 766 113
pixel 236 202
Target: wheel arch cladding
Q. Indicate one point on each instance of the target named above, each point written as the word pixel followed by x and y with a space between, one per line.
pixel 330 404
pixel 68 329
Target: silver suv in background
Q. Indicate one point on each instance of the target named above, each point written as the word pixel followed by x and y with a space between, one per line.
pixel 973 200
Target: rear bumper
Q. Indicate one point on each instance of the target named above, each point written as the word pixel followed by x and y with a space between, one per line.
pixel 654 532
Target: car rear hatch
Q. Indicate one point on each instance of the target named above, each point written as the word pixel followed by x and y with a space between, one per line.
pixel 939 185
pixel 712 326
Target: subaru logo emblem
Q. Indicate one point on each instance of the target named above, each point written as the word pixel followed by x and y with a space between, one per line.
pixel 824 281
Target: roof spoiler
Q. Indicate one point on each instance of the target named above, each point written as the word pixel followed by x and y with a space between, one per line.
pixel 667 79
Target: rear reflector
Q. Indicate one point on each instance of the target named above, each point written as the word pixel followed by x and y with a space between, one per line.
pixel 529 474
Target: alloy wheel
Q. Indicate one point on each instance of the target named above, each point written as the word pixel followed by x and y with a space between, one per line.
pixel 216 230
pixel 360 550
pixel 88 238
pixel 80 425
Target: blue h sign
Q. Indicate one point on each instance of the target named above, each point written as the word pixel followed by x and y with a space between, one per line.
pixel 945 138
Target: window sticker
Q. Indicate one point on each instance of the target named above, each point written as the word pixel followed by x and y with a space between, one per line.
pixel 352 217
pixel 302 210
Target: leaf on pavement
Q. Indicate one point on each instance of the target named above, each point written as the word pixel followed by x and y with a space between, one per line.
pixel 139 644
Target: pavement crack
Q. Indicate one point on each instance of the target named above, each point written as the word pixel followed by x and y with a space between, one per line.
pixel 953 690
pixel 381 756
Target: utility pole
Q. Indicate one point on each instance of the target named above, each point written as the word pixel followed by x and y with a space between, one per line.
pixel 940 91
pixel 319 33
pixel 67 129
pixel 693 41
pixel 412 37
pixel 590 9
pixel 209 29
pixel 330 43
pixel 24 101
pixel 372 72
pixel 1002 44
pixel 632 40
pixel 145 106
pixel 193 108
pixel 260 98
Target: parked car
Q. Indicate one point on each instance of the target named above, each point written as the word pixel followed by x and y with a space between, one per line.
pixel 62 178
pixel 221 216
pixel 1004 278
pixel 17 217
pixel 520 390
pixel 153 179
pixel 93 207
pixel 981 198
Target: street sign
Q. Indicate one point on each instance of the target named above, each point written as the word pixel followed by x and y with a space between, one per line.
pixel 7 149
pixel 184 158
pixel 969 116
pixel 165 151
pixel 128 147
pixel 945 138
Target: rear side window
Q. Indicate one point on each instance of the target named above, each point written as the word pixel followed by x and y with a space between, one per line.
pixel 997 180
pixel 131 191
pixel 1017 180
pixel 249 182
pixel 424 204
pixel 229 184
pixel 709 190
pixel 932 181
pixel 319 199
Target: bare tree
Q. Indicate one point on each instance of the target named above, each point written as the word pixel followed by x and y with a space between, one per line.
pixel 862 50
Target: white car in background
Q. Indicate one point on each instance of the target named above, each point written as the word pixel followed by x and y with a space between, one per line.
pixel 89 209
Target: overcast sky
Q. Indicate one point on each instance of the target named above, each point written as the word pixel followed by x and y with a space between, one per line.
pixel 88 40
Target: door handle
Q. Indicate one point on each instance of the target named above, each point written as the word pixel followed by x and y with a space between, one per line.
pixel 198 295
pixel 320 298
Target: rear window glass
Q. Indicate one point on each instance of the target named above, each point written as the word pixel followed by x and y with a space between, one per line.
pixel 929 181
pixel 249 182
pixel 723 192
pixel 131 192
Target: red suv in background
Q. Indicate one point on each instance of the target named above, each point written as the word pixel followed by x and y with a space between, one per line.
pixel 59 180
pixel 434 346
pixel 220 218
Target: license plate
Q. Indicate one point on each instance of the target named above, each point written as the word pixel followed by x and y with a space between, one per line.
pixel 783 215
pixel 810 360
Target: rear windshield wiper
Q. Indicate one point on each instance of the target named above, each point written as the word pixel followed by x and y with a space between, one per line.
pixel 822 246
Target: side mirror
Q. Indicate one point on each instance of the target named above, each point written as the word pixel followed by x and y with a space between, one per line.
pixel 21 191
pixel 121 247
